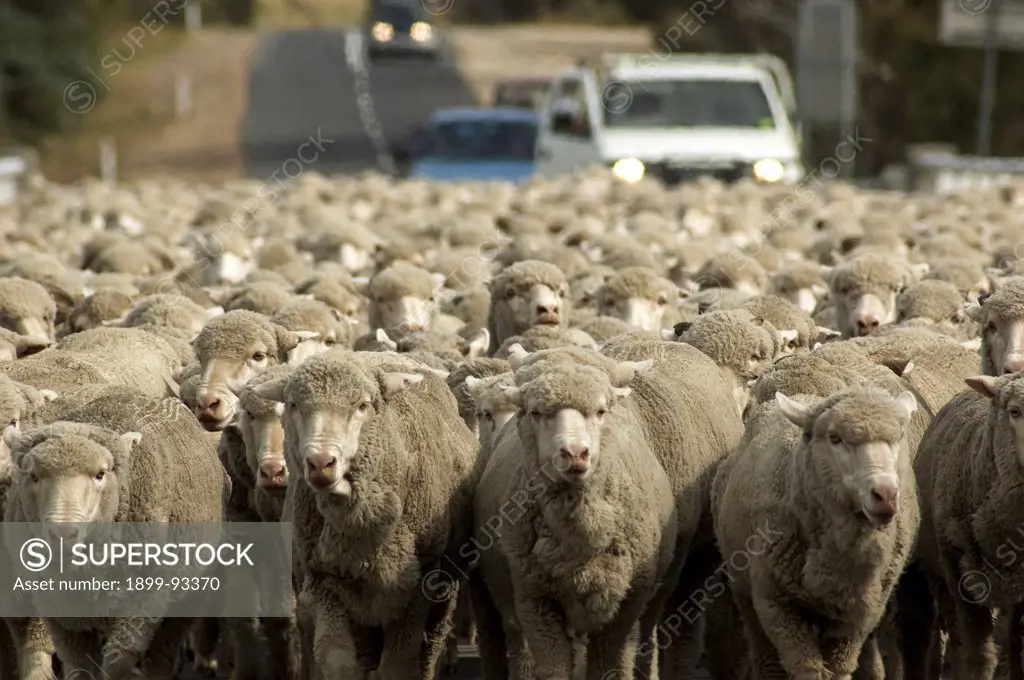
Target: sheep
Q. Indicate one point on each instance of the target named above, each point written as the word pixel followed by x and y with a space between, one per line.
pixel 313 315
pixel 546 337
pixel 864 291
pixel 447 346
pixel 603 328
pixel 403 295
pixel 169 309
pixel 802 283
pixel 588 487
pixel 27 308
pixel 740 343
pixel 494 408
pixel 263 477
pixel 936 301
pixel 162 471
pixel 262 297
pixel 385 463
pixel 735 271
pixel 231 349
pixel 15 346
pixel 826 489
pixel 470 306
pixel 113 356
pixel 102 306
pixel 968 470
pixel 688 440
pixel 525 294
pixel 638 296
pixel 969 279
pixel 481 367
pixel 1001 317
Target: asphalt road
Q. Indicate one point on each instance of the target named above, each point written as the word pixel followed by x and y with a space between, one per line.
pixel 317 101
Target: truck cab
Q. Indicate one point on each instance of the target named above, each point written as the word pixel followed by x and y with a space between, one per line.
pixel 674 117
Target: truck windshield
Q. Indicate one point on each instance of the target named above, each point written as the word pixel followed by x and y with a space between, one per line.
pixel 481 140
pixel 692 103
pixel 400 15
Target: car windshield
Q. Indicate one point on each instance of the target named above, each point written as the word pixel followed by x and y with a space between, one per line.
pixel 691 103
pixel 482 140
pixel 400 15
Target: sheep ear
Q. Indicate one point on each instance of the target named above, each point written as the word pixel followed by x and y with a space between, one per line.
pixel 900 366
pixel 279 409
pixel 130 439
pixel 384 339
pixel 973 345
pixel 681 328
pixel 907 403
pixel 11 434
pixel 920 269
pixel 795 412
pixel 625 371
pixel 394 383
pixel 362 284
pixel 87 291
pixel 757 321
pixel 975 311
pixel 668 334
pixel 472 383
pixel 48 395
pixel 818 290
pixel 620 393
pixel 272 390
pixel 30 344
pixel 479 343
pixel 826 334
pixel 985 385
pixel 440 373
pixel 173 389
pixel 789 335
pixel 213 312
pixel 517 354
pixel 514 396
pixel 438 281
pixel 288 340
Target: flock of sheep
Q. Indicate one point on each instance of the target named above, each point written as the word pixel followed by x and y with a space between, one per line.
pixel 606 431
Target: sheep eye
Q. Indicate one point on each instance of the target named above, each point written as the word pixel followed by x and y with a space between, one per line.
pixel 535 414
pixel 1014 412
pixel 13 423
pixel 835 439
pixel 34 478
pixel 662 300
pixel 791 344
pixel 259 356
pixel 248 414
pixel 100 475
pixel 990 327
pixel 364 407
pixel 755 357
pixel 601 413
pixel 510 293
pixel 488 416
pixel 291 404
pixel 329 341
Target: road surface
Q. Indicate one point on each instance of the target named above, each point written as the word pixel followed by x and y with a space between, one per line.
pixel 316 101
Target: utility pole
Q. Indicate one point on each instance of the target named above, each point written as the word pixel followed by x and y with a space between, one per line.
pixel 989 72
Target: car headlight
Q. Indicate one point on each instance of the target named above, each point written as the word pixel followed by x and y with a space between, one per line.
pixel 420 31
pixel 382 31
pixel 769 170
pixel 629 170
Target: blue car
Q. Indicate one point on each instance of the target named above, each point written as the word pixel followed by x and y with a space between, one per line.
pixel 474 144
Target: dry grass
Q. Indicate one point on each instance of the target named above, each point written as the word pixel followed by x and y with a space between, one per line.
pixel 205 146
pixel 138 114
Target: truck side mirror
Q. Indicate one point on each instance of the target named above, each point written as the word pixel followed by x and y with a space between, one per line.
pixel 562 123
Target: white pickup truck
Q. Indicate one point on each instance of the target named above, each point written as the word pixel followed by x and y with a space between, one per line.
pixel 674 117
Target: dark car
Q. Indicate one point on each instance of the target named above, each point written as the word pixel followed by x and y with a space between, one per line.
pixel 397 27
pixel 522 93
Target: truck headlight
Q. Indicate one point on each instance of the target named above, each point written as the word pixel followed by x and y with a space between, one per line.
pixel 769 170
pixel 629 170
pixel 420 31
pixel 382 31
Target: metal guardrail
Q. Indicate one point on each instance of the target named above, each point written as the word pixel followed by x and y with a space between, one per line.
pixel 941 170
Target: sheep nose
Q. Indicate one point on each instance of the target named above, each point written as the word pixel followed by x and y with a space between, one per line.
pixel 320 462
pixel 547 309
pixel 209 402
pixel 273 474
pixel 576 451
pixel 64 530
pixel 866 324
pixel 885 499
pixel 1014 366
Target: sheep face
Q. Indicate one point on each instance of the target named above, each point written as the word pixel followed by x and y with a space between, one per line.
pixel 354 259
pixel 26 308
pixel 327 403
pixel 537 305
pixel 404 297
pixel 858 440
pixel 16 346
pixel 1002 330
pixel 263 435
pixel 640 312
pixel 232 349
pixel 493 408
pixel 1007 396
pixel 406 312
pixel 226 269
pixel 564 411
pixel 865 290
pixel 70 478
pixel 803 296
